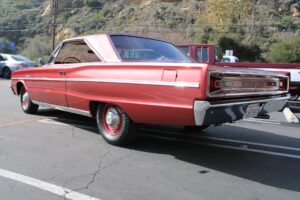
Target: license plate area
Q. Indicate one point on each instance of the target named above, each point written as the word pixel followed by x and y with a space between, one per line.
pixel 252 111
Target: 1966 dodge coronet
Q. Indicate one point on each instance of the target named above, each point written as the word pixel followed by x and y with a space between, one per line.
pixel 122 80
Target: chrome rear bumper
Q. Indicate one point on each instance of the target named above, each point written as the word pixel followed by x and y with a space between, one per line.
pixel 207 113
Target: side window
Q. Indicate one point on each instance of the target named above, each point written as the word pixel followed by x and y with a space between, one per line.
pixel 76 52
pixel 202 55
pixel 199 55
pixel 185 50
pixel 3 58
pixel 205 54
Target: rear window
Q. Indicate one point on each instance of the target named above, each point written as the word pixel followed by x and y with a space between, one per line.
pixel 139 49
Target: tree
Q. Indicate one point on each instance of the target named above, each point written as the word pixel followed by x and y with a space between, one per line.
pixel 242 51
pixel 287 51
pixel 221 14
pixel 37 47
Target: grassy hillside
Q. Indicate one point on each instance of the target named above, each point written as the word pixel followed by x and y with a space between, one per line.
pixel 260 24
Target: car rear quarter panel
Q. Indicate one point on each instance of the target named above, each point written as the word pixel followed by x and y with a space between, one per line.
pixel 144 103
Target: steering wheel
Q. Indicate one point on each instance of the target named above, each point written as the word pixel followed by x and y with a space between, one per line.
pixel 72 60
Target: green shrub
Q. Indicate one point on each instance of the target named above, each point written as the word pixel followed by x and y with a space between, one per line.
pixel 287 51
pixel 242 51
pixel 92 3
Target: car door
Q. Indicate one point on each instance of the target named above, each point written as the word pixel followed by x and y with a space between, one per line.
pixel 49 81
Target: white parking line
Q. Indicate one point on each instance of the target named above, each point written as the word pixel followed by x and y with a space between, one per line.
pixel 54 189
pixel 290 116
pixel 263 121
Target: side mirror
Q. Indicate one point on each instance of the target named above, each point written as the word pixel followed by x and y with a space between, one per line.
pixel 42 61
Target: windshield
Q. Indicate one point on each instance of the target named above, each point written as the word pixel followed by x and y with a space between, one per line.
pixel 138 49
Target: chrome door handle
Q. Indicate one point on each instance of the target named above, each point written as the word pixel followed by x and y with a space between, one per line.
pixel 62 73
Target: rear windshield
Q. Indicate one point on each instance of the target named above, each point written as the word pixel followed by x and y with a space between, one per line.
pixel 139 49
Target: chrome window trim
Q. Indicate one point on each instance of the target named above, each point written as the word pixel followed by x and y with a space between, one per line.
pixel 60 46
pixel 137 82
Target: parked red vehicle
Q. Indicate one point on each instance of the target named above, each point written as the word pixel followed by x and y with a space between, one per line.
pixel 123 80
pixel 208 53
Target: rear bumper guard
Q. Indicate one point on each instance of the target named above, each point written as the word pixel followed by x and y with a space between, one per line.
pixel 206 113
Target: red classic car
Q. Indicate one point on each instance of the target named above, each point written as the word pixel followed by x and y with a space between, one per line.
pixel 122 80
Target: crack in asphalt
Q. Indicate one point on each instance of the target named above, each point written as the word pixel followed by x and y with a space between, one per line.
pixel 94 175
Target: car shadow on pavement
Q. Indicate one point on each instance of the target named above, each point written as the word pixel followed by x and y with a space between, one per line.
pixel 276 171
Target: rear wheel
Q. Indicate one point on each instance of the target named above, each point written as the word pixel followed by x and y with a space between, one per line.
pixel 26 103
pixel 6 73
pixel 114 125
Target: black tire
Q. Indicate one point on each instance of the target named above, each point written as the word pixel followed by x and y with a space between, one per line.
pixel 195 129
pixel 114 125
pixel 6 73
pixel 26 103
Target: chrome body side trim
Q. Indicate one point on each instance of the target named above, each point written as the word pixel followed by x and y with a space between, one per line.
pixel 63 108
pixel 204 110
pixel 137 82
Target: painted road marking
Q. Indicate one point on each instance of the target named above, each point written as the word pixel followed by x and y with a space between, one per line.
pixel 263 121
pixel 27 121
pixel 54 189
pixel 290 116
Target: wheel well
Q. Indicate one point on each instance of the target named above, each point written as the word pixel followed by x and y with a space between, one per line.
pixel 93 107
pixel 5 67
pixel 19 87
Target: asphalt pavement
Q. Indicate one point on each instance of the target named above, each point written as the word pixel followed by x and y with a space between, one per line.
pixel 57 155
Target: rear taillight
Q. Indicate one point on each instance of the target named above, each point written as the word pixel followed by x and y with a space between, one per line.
pixel 283 84
pixel 215 84
pixel 235 85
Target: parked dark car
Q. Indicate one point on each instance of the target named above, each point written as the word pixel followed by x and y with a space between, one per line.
pixel 10 63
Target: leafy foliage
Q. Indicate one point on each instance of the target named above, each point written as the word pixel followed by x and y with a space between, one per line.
pixel 286 51
pixel 221 14
pixel 242 51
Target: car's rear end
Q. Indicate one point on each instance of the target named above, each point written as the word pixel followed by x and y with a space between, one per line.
pixel 234 94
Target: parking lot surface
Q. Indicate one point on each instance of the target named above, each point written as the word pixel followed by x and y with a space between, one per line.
pixel 57 155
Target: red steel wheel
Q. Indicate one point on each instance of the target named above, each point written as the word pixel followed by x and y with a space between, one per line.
pixel 112 119
pixel 114 125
